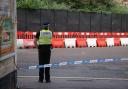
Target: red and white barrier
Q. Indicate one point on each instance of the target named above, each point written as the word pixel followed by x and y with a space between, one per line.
pixel 25 39
pixel 110 42
pixel 28 43
pixel 101 42
pixel 76 39
pixel 117 42
pixel 81 42
pixel 124 41
pixel 70 42
pixel 20 43
pixel 58 43
pixel 91 42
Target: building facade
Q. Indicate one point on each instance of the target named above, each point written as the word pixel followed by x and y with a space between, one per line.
pixel 7 44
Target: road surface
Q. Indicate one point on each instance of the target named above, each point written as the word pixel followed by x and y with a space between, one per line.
pixel 113 75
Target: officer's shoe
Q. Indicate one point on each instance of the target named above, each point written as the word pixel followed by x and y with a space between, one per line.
pixel 40 81
pixel 48 81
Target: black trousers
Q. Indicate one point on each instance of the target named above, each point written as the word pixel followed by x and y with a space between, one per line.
pixel 44 58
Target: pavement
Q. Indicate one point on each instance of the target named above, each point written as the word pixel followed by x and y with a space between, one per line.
pixel 113 75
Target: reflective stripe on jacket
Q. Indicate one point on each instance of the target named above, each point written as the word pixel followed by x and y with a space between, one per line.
pixel 45 37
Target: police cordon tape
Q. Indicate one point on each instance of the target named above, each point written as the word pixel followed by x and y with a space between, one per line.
pixel 84 61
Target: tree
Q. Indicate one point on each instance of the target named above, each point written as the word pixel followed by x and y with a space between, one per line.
pixel 81 4
pixel 38 4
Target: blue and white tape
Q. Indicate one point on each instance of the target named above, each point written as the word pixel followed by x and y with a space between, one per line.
pixel 84 61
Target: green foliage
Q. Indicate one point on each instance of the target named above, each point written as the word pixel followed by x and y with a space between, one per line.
pixel 96 5
pixel 119 9
pixel 79 5
pixel 40 4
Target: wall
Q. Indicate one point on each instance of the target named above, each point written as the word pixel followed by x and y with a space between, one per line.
pixel 63 20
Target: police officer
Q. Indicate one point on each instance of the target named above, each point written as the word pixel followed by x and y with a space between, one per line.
pixel 43 42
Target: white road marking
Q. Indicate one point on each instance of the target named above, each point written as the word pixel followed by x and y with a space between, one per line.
pixel 88 78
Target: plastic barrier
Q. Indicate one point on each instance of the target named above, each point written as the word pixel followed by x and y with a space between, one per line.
pixel 82 35
pixel 123 34
pixel 76 35
pixel 34 34
pixel 117 42
pixel 81 42
pixel 54 34
pixel 108 34
pixel 65 35
pixel 103 34
pixel 70 42
pixel 110 42
pixel 101 42
pixel 29 40
pixel 91 42
pixel 58 43
pixel 20 43
pixel 98 34
pixel 25 39
pixel 119 34
pixel 124 41
pixel 90 34
pixel 116 34
pixel 57 34
pixel 68 39
pixel 79 35
pixel 20 35
pixel 70 34
pixel 29 35
pixel 29 43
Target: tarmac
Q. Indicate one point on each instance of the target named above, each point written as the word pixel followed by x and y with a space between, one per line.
pixel 113 75
pixel 74 83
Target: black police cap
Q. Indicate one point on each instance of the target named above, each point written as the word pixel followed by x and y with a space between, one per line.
pixel 46 23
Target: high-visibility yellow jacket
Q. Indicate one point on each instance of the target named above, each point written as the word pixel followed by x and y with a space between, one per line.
pixel 45 37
